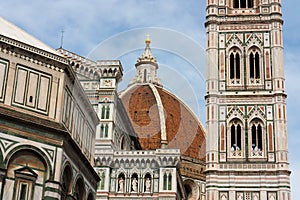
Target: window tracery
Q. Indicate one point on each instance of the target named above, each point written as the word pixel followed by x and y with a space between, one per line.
pixel 167 181
pixel 235 138
pixel 105 112
pixel 257 145
pixel 234 68
pixel 255 68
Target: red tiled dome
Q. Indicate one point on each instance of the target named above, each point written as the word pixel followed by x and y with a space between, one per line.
pixel 160 117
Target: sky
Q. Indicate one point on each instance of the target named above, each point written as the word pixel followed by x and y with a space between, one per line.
pixel 116 29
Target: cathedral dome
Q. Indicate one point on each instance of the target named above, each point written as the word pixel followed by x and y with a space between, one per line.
pixel 162 120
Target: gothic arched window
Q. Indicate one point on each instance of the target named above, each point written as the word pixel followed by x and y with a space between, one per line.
pixel 167 183
pixel 256 138
pixel 102 112
pixel 107 112
pixel 106 131
pixel 170 182
pixel 235 138
pixel 235 71
pixel 236 132
pixel 254 65
pixel 101 131
pixel 234 67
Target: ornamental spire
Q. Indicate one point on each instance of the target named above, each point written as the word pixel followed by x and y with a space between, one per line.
pixel 146 67
pixel 147 54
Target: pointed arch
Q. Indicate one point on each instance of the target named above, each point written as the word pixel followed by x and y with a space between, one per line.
pixel 254 65
pixel 134 182
pixel 257 137
pixel 234 66
pixel 121 183
pixel 101 131
pixel 107 113
pixel 103 112
pixel 148 182
pixel 106 131
pixel 235 138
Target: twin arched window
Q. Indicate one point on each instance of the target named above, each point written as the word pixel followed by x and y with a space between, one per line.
pixel 255 133
pixel 167 182
pixel 105 112
pixel 104 131
pixel 243 4
pixel 253 65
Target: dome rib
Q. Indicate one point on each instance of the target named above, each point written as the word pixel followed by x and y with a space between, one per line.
pixel 162 119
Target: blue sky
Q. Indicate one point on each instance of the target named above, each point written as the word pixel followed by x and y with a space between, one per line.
pixel 116 29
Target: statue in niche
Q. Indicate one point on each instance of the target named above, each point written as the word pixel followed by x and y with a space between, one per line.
pixel 121 184
pixel 148 184
pixel 134 185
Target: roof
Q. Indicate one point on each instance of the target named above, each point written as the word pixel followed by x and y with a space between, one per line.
pixel 10 30
pixel 161 119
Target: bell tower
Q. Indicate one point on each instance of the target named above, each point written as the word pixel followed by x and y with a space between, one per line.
pixel 247 140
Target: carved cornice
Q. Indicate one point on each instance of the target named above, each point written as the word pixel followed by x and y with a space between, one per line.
pixel 29 59
pixel 140 159
pixel 33 49
pixel 242 19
